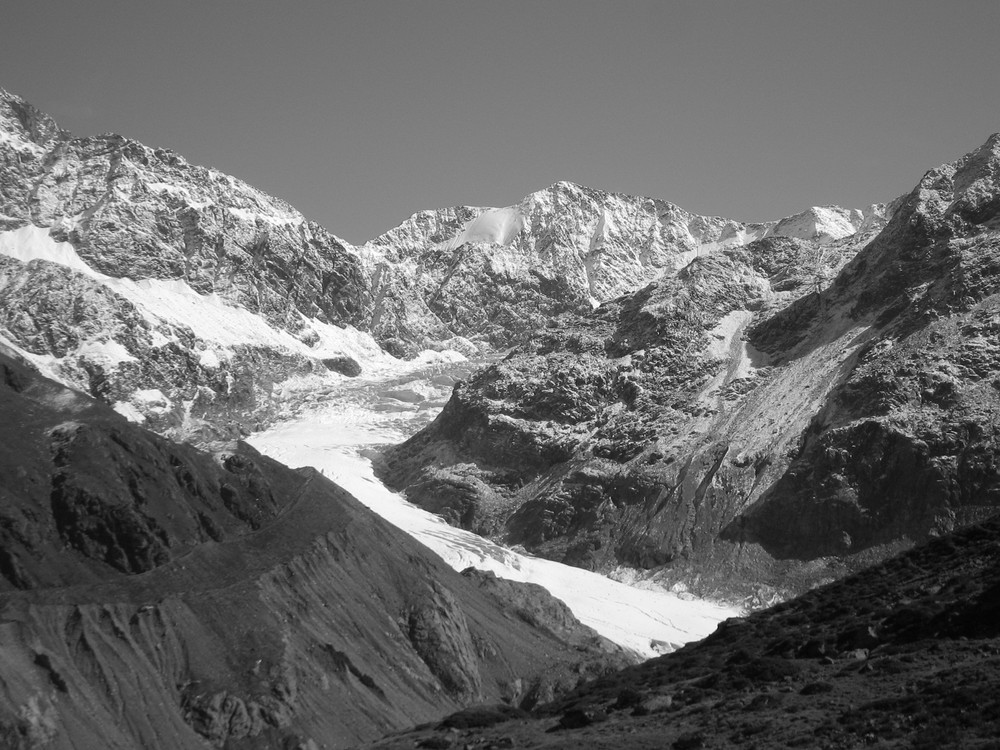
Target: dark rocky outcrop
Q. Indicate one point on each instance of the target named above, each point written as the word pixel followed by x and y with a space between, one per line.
pixel 152 595
pixel 344 365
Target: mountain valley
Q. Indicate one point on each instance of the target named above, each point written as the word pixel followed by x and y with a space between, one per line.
pixel 539 444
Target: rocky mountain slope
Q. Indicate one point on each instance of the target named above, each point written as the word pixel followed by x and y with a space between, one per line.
pixel 160 275
pixel 906 654
pixel 182 295
pixel 770 415
pixel 152 595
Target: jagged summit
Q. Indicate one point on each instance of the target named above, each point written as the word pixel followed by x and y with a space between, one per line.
pixel 24 128
pixel 204 246
pixel 454 225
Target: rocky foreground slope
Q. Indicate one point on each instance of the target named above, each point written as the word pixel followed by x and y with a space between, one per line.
pixel 906 654
pixel 155 596
pixel 769 416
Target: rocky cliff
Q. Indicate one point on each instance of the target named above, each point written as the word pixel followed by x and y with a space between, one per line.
pixel 770 414
pixel 155 596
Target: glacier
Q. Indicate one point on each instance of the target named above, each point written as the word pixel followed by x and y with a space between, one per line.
pixel 356 417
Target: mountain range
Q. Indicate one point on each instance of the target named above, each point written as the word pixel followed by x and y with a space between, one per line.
pixel 183 294
pixel 743 411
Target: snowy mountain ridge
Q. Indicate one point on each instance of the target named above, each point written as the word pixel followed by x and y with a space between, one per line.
pixel 605 243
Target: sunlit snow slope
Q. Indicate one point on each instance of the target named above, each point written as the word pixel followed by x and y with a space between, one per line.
pixel 333 437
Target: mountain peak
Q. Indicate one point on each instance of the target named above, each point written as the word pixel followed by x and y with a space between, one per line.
pixel 24 126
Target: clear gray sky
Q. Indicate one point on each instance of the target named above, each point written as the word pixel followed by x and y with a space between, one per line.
pixel 361 113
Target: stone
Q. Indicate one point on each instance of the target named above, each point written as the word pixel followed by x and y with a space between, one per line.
pixel 344 365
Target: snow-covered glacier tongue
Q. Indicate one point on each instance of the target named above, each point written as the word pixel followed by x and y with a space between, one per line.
pixel 353 417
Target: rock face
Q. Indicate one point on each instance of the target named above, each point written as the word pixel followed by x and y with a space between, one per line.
pixel 906 654
pixel 770 412
pixel 155 596
pixel 907 445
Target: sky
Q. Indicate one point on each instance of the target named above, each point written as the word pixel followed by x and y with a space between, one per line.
pixel 362 113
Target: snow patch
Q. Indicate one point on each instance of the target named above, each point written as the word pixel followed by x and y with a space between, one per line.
pixel 128 411
pixel 108 354
pixel 151 400
pixel 333 340
pixel 820 223
pixel 209 359
pixel 725 342
pixel 445 356
pixel 497 226
pixel 12 140
pixel 273 217
pixel 740 358
pixel 732 236
pixel 209 317
pixel 44 363
pixel 34 243
pixel 159 339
